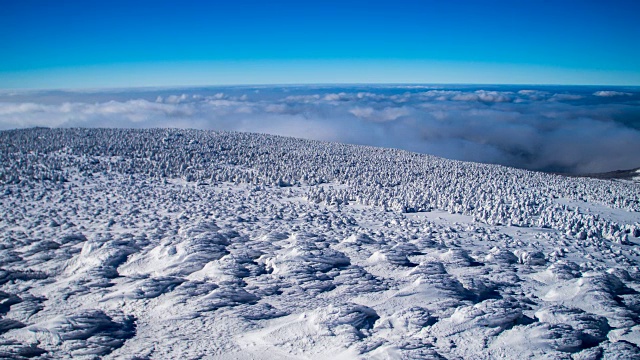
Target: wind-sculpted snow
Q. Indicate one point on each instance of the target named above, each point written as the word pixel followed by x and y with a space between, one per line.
pixel 197 244
pixel 84 333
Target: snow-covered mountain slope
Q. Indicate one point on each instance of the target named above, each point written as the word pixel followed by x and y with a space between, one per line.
pixel 190 244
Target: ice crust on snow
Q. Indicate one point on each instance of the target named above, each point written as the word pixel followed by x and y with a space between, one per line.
pixel 198 244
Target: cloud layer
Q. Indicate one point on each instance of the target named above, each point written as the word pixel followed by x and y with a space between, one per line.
pixel 577 130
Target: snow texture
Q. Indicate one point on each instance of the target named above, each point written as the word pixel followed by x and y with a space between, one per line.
pixel 200 244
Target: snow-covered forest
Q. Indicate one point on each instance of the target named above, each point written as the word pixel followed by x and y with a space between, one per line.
pixel 163 243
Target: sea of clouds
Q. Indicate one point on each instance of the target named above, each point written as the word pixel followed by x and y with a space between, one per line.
pixel 564 129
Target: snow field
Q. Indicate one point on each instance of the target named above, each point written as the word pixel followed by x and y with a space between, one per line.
pixel 195 244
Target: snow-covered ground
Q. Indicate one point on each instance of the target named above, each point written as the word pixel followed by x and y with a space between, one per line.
pixel 198 244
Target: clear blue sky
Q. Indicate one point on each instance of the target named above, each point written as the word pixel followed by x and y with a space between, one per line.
pixel 90 43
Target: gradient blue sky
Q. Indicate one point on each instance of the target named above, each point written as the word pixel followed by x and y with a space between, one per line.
pixel 90 44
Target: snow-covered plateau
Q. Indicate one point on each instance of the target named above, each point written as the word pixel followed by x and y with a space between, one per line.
pixel 189 244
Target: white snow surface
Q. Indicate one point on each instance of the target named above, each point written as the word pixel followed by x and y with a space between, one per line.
pixel 190 244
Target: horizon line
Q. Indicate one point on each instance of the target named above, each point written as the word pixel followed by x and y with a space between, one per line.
pixel 270 85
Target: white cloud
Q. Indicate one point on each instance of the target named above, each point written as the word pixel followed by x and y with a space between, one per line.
pixel 609 93
pixel 382 115
pixel 535 129
pixel 362 112
pixel 302 98
pixel 276 108
pixel 335 97
pixel 478 95
pixel 565 97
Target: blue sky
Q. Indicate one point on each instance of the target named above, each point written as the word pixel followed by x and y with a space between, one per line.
pixel 87 44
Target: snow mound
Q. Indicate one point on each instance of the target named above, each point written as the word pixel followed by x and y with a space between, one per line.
pixel 11 349
pixel 597 293
pixel 502 256
pixel 537 339
pixel 458 258
pixel 327 331
pixel 84 333
pixel 190 252
pixel 593 328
